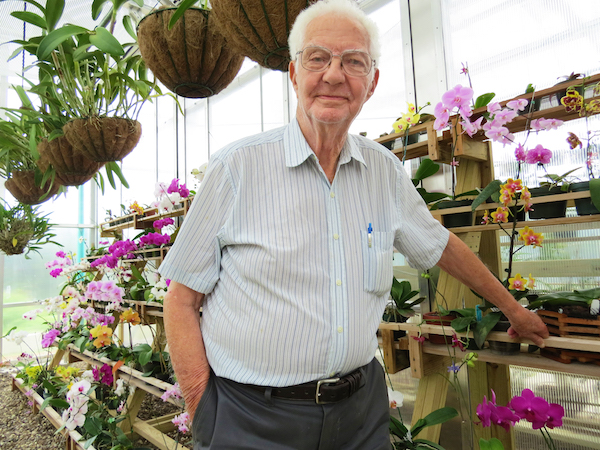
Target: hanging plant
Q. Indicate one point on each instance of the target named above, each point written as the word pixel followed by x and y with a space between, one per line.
pixel 23 230
pixel 191 58
pixel 258 29
pixel 93 77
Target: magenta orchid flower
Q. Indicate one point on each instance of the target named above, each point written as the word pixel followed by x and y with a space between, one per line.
pixel 538 155
pixel 459 97
pixel 518 105
pixel 520 153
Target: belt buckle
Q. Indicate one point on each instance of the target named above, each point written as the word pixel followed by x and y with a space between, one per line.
pixel 321 382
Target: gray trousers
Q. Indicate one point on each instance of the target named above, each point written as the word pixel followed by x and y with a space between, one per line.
pixel 233 416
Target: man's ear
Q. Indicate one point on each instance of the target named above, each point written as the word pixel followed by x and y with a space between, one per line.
pixel 373 84
pixel 293 73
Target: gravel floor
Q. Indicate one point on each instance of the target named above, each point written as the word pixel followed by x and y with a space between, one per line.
pixel 20 429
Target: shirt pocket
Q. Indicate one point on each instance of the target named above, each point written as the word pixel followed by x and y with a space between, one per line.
pixel 378 261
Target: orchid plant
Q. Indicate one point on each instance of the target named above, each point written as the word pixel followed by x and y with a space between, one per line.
pixel 536 410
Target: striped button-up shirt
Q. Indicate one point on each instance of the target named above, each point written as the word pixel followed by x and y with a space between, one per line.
pixel 295 286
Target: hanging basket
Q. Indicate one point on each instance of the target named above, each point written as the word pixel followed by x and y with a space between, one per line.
pixel 259 29
pixel 72 168
pixel 14 240
pixel 22 186
pixel 103 139
pixel 192 59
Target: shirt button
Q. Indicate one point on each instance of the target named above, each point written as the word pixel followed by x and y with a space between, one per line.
pixel 332 194
pixel 336 236
pixel 338 282
pixel 340 329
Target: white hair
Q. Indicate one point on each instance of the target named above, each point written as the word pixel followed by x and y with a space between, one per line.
pixel 341 8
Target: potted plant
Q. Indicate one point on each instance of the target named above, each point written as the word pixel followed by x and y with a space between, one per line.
pixel 258 29
pixel 98 82
pixel 23 230
pixel 186 51
pixel 18 157
pixel 555 184
pixel 402 304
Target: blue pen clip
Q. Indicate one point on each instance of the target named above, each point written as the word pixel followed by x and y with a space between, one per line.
pixel 370 235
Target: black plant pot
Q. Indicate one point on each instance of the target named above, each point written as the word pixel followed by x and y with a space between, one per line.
pixel 550 210
pixel 504 348
pixel 463 219
pixel 584 206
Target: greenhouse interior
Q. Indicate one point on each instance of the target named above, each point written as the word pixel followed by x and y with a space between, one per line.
pixel 171 279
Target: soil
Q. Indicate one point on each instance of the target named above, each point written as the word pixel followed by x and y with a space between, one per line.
pixel 20 429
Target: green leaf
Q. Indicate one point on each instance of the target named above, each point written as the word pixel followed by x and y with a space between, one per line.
pixel 494 186
pixel 434 418
pixel 492 444
pixel 484 326
pixel 145 357
pixel 109 175
pixel 431 197
pixel 45 403
pixel 116 169
pixel 462 323
pixel 92 425
pixel 397 428
pixel 484 100
pixel 57 37
pixel 97 8
pixel 54 11
pixel 128 25
pixel 595 192
pixel 89 442
pixel 31 18
pixel 106 42
pixel 426 169
pixel 180 11
pixel 59 403
pixel 49 387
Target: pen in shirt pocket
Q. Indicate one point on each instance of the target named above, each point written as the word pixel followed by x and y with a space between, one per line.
pixel 370 235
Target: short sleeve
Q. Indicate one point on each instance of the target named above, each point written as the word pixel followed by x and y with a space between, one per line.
pixel 195 258
pixel 420 237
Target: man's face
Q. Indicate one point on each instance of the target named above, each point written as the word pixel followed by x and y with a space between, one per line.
pixel 332 96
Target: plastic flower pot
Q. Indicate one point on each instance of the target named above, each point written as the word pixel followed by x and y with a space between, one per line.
pixel 462 219
pixel 504 348
pixel 434 318
pixel 550 210
pixel 584 206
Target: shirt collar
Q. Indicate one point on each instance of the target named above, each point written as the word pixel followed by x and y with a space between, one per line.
pixel 297 149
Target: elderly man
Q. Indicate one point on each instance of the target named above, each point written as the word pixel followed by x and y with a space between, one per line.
pixel 288 249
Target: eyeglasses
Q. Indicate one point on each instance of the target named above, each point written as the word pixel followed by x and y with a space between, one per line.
pixel 354 62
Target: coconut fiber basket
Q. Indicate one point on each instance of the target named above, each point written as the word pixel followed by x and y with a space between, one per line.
pixel 192 59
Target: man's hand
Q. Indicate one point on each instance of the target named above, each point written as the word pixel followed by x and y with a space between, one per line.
pixel 526 324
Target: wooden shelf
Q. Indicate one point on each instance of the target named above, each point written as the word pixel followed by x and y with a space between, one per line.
pixel 143 221
pixel 423 364
pixel 151 430
pixel 73 437
pixel 437 148
pixel 439 213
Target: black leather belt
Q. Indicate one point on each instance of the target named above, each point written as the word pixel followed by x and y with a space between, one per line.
pixel 329 390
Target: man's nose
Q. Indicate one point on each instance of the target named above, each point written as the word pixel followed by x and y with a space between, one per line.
pixel 334 72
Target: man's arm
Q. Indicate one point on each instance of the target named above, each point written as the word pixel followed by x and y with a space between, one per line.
pixel 186 346
pixel 461 263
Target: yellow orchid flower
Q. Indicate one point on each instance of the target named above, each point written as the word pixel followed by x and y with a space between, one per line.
pixel 103 334
pixel 530 237
pixel 500 215
pixel 530 282
pixel 517 283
